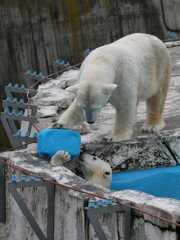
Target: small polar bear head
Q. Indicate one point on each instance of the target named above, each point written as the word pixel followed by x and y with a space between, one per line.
pixel 96 170
pixel 91 98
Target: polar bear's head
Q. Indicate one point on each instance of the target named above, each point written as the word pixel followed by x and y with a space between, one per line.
pixel 96 170
pixel 92 98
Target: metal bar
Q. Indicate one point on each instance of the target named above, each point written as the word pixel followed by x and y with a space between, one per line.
pixel 8 131
pixel 96 225
pixel 19 118
pixel 50 212
pixel 21 140
pixel 33 113
pixel 18 105
pixel 29 128
pixel 10 90
pixel 2 193
pixel 26 212
pixel 12 125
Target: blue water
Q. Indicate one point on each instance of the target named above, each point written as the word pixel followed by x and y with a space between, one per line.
pixel 161 182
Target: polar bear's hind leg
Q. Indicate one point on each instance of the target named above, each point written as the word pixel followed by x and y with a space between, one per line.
pixel 155 106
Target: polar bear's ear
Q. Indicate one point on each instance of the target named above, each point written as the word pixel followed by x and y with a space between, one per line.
pixel 109 88
pixel 73 88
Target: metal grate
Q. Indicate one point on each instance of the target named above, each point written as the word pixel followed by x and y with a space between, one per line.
pixel 17 111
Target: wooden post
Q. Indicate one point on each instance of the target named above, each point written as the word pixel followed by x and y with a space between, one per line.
pixel 2 192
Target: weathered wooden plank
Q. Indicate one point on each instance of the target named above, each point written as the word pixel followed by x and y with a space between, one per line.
pixel 38 206
pixel 171 14
pixel 26 213
pixel 51 211
pixel 146 230
pixel 2 193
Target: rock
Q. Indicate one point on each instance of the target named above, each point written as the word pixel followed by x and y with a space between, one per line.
pixel 51 98
pixel 68 78
pixel 47 111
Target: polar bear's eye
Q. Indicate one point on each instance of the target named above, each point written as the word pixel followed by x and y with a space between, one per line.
pixel 107 173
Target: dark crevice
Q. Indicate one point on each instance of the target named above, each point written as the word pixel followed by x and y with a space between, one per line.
pixel 168 147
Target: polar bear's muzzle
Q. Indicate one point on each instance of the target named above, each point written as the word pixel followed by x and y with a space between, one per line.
pixel 90 115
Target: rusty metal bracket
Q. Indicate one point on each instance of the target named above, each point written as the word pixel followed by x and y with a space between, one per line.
pixel 2 193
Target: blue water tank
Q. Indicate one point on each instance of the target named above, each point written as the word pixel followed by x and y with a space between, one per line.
pixel 51 140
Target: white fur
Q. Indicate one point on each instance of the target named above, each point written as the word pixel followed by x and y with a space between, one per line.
pixel 153 129
pixel 123 73
pixel 59 158
pixel 96 170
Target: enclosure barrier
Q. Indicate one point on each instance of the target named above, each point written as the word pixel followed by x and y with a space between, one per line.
pixel 92 207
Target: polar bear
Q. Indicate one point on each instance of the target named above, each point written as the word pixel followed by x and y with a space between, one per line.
pixel 132 69
pixel 94 169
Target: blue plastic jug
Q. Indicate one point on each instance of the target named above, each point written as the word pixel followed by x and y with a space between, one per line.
pixel 49 141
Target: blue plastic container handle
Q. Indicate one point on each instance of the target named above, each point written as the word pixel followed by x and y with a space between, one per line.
pixel 49 141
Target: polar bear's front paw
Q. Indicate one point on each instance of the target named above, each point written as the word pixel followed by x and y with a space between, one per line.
pixel 57 125
pixel 59 158
pixel 153 128
pixel 122 136
pixel 107 139
pixel 84 128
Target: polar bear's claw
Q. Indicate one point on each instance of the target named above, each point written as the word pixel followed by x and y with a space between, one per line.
pixel 57 125
pixel 59 158
pixel 153 128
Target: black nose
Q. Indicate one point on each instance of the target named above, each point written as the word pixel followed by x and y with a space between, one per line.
pixel 90 122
